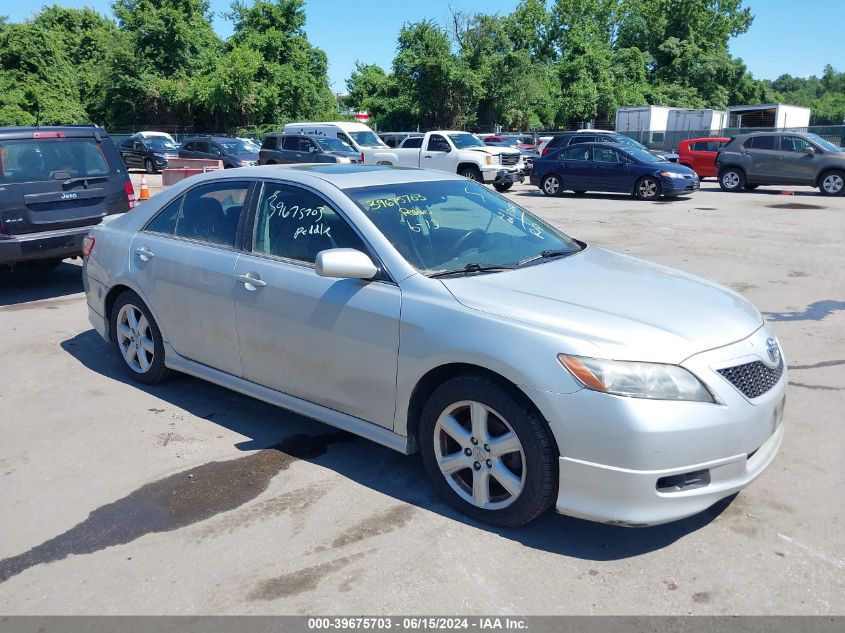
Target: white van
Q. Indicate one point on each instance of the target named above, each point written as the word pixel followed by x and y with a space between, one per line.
pixel 356 135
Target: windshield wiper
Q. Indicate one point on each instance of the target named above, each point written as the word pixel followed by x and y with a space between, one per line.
pixel 474 268
pixel 547 255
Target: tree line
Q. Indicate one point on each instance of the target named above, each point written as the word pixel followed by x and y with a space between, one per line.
pixel 548 64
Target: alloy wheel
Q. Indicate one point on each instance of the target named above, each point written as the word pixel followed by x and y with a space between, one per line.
pixel 730 180
pixel 833 184
pixel 479 455
pixel 135 338
pixel 647 188
pixel 551 185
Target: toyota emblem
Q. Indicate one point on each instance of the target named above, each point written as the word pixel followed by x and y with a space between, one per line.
pixel 772 349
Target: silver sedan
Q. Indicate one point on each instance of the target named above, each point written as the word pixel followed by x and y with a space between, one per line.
pixel 427 313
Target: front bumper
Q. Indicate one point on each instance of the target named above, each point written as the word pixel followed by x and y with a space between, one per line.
pixel 43 245
pixel 679 186
pixel 497 175
pixel 632 461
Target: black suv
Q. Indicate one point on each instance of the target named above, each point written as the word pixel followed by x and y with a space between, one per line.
pixel 559 141
pixel 233 152
pixel 149 153
pixel 55 184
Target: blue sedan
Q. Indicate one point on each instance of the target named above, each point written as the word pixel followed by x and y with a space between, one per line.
pixel 611 167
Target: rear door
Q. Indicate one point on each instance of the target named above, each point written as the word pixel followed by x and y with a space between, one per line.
pixel 59 180
pixel 764 158
pixel 575 166
pixel 184 264
pixel 290 150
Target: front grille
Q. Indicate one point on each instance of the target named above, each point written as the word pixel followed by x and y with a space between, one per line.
pixel 753 379
pixel 510 159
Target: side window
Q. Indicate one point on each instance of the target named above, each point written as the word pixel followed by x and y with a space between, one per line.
pixel 201 146
pixel 269 142
pixel 210 213
pixel 305 145
pixel 296 224
pixel 215 149
pixel 138 146
pixel 343 137
pixel 605 155
pixel 576 153
pixel 761 142
pixel 188 147
pixel 437 143
pixel 415 142
pixel 584 139
pixel 165 221
pixel 291 143
pixel 793 144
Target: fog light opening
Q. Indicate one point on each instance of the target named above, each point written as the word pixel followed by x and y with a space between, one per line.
pixel 685 481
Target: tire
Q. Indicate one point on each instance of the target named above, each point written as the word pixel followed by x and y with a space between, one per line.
pixel 143 362
pixel 506 489
pixel 149 167
pixel 748 187
pixel 647 188
pixel 472 172
pixel 832 183
pixel 502 188
pixel 732 179
pixel 552 185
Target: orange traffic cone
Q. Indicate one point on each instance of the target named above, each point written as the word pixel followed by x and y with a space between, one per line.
pixel 144 194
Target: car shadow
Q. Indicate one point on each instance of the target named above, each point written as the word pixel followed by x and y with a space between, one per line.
pixel 22 286
pixel 378 468
pixel 599 196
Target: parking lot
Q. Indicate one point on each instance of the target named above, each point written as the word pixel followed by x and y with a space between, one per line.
pixel 119 498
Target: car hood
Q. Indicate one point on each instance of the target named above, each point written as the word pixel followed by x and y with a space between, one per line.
pixel 630 308
pixel 493 150
pixel 675 168
pixel 343 154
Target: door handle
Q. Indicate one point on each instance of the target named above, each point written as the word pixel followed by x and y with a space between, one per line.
pixel 251 281
pixel 144 253
pixel 427 156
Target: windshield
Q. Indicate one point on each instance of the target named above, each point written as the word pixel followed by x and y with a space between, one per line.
pixel 642 155
pixel 446 225
pixel 627 140
pixel 237 147
pixel 462 141
pixel 830 147
pixel 333 145
pixel 158 144
pixel 366 139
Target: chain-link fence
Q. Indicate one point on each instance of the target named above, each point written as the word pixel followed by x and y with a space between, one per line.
pixel 671 139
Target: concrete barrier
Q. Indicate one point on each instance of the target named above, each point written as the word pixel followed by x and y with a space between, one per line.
pixel 181 168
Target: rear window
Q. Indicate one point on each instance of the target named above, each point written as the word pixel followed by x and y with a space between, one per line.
pixel 413 142
pixel 27 160
pixel 761 142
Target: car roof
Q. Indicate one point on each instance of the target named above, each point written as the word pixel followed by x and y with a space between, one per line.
pixel 69 130
pixel 342 176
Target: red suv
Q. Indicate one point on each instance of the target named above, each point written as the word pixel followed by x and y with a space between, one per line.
pixel 699 154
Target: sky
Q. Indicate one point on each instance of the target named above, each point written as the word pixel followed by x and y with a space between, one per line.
pixel 786 37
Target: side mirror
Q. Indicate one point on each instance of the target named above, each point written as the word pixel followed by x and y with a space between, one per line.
pixel 345 263
pixel 810 150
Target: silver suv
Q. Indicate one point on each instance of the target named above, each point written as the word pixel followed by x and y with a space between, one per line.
pixel 781 158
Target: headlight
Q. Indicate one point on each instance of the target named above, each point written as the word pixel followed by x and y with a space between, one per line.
pixel 246 163
pixel 671 174
pixel 637 380
pixel 488 160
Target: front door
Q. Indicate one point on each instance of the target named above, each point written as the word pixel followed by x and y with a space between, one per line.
pixel 610 172
pixel 333 342
pixel 797 166
pixel 436 154
pixel 184 264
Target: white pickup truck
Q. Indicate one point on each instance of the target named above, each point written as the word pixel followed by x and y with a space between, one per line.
pixel 457 152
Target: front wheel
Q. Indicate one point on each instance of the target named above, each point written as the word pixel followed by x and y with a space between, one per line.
pixel 149 166
pixel 551 185
pixel 487 453
pixel 832 183
pixel 472 172
pixel 732 179
pixel 502 187
pixel 647 189
pixel 137 339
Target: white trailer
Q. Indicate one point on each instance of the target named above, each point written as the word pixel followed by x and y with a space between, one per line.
pixel 647 124
pixel 707 120
pixel 771 115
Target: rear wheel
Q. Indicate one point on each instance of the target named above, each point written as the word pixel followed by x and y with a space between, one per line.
pixel 832 183
pixel 732 179
pixel 551 185
pixel 647 189
pixel 472 172
pixel 137 339
pixel 502 187
pixel 487 453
